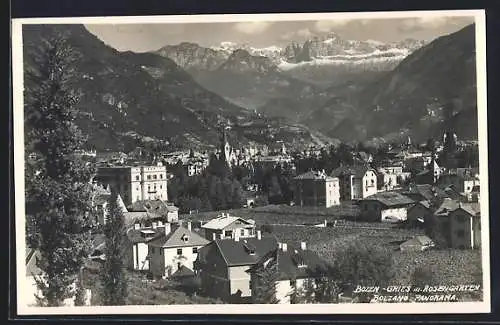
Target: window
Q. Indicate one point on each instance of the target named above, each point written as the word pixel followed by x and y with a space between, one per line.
pixel 195 250
pixel 137 177
pixel 161 251
pixel 149 176
pixel 154 176
pixel 242 232
pixel 161 187
pixel 293 283
pixel 161 175
pixel 152 250
pixel 179 251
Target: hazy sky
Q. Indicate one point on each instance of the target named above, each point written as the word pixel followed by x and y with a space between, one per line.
pixel 147 37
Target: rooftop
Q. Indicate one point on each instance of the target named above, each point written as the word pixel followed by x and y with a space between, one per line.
pixel 357 171
pixel 419 240
pixel 155 206
pixel 246 251
pixel 472 208
pixel 314 175
pixel 144 235
pixel 390 199
pixel 448 205
pixel 178 237
pixel 295 263
pixel 223 221
pixel 426 191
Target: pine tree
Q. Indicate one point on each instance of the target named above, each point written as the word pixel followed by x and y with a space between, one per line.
pixel 113 276
pixel 265 276
pixel 58 190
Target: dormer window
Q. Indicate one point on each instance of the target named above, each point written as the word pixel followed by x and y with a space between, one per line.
pixel 185 238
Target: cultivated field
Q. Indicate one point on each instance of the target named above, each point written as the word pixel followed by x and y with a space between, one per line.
pixel 449 266
pixel 283 214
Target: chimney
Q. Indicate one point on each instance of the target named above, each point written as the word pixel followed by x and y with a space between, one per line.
pixel 259 234
pixel 154 224
pixel 189 225
pixel 160 223
pixel 168 228
pixel 221 236
pixel 303 246
pixel 137 225
pixel 284 247
pixel 280 245
pixel 236 236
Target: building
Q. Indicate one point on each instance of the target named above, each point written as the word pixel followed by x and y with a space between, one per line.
pixel 385 207
pixel 316 189
pixel 137 252
pixel 174 251
pixel 29 288
pixel 227 226
pixel 465 226
pixel 416 213
pixel 430 175
pixel 222 266
pixel 135 183
pixel 294 267
pixel 165 209
pixel 424 192
pixel 356 182
pixel 417 244
pixel 463 184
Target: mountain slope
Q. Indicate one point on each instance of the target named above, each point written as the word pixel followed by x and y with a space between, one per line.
pixel 129 95
pixel 421 96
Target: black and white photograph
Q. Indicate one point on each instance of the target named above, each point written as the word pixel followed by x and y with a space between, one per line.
pixel 249 163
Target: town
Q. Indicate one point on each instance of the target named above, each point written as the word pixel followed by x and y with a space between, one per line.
pixel 206 225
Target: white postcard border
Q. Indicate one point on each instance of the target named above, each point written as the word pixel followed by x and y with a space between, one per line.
pixel 400 308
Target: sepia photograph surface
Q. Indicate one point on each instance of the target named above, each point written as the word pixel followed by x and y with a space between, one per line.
pixel 187 164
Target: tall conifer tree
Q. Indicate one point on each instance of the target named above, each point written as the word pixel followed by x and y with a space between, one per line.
pixel 113 276
pixel 58 189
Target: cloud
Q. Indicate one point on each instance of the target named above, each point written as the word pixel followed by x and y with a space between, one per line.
pixel 297 35
pixel 254 27
pixel 328 25
pixel 430 22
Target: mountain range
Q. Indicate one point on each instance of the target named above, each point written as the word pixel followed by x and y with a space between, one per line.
pixel 432 89
pixel 286 81
pixel 349 89
pixel 318 91
pixel 131 98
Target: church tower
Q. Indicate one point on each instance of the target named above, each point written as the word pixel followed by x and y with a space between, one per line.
pixel 225 149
